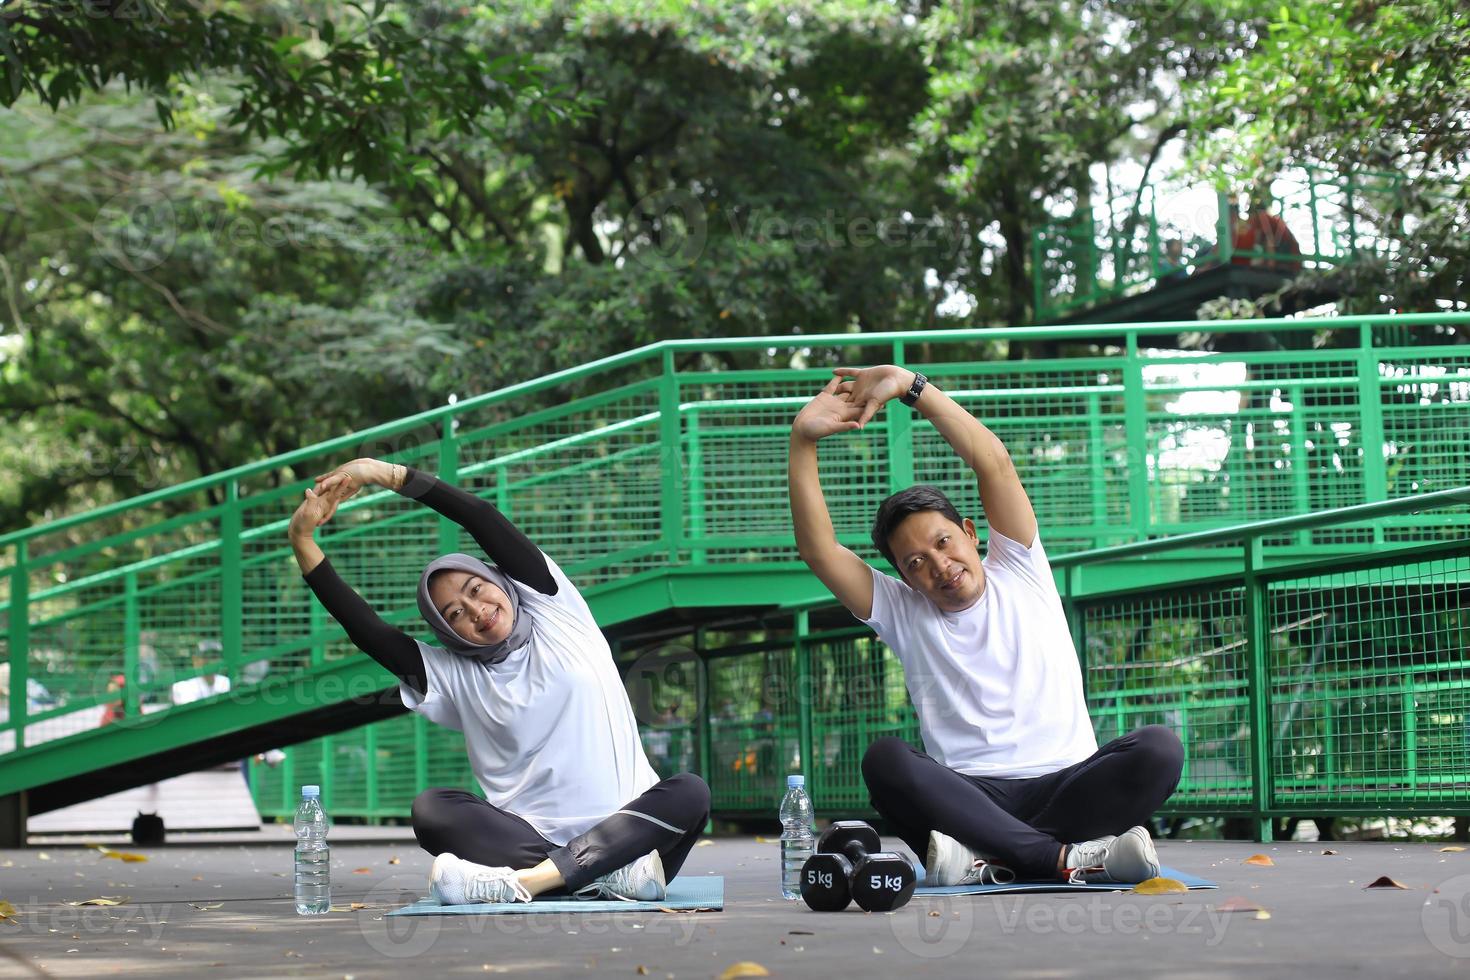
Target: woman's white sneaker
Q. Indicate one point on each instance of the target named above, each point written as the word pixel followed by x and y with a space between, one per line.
pixel 455 881
pixel 641 881
pixel 1126 859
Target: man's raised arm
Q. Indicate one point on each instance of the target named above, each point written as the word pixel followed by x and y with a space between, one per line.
pixel 847 575
pixel 1007 508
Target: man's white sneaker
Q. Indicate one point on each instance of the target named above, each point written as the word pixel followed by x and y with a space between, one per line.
pixel 641 881
pixel 1126 859
pixel 455 881
pixel 949 862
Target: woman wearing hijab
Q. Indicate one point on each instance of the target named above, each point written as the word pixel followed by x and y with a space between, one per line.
pixel 521 668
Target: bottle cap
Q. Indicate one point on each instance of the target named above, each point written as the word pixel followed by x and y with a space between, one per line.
pixel 310 792
pixel 794 781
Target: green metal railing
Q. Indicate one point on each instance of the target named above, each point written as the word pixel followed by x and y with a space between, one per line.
pixel 1297 687
pixel 673 457
pixel 1121 247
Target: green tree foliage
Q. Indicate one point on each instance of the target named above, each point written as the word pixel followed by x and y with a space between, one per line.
pixel 348 92
pixel 1362 86
pixel 228 230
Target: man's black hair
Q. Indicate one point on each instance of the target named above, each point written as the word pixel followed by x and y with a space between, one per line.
pixel 893 511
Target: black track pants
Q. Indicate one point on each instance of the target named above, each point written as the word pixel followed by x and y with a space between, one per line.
pixel 1023 823
pixel 668 818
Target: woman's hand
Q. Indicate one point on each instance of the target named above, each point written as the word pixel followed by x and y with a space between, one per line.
pixel 828 413
pixel 313 512
pixel 869 389
pixel 340 484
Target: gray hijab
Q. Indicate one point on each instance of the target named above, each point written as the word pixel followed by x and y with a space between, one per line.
pixel 487 653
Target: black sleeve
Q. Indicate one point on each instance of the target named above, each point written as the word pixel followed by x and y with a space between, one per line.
pixel 510 550
pixel 388 645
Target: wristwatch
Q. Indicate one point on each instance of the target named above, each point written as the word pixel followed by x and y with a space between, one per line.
pixel 914 389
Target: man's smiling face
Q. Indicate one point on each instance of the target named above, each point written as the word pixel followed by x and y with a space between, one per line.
pixel 939 558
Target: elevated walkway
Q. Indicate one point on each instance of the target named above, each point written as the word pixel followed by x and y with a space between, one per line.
pixel 657 479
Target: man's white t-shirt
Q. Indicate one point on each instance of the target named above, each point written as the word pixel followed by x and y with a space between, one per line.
pixel 549 730
pixel 997 687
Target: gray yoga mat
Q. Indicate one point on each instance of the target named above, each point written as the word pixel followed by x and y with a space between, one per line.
pixel 684 895
pixel 1061 886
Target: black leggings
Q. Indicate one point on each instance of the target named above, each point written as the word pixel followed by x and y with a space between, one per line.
pixel 1023 823
pixel 668 818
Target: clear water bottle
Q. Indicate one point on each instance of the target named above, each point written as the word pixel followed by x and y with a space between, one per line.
pixel 313 856
pixel 796 835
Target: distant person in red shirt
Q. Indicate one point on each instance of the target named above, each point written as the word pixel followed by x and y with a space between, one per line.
pixel 1267 236
pixel 115 711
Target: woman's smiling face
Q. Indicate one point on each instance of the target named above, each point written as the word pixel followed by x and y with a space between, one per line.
pixel 476 609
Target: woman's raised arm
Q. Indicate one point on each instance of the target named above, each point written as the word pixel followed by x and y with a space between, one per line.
pixel 511 551
pixel 388 645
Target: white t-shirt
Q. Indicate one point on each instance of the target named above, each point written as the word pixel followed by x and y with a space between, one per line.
pixel 997 687
pixel 194 689
pixel 549 730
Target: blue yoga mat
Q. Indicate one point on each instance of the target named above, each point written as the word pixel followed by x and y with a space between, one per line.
pixel 684 895
pixel 1061 886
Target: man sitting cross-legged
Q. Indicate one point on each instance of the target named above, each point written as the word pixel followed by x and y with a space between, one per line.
pixel 1013 783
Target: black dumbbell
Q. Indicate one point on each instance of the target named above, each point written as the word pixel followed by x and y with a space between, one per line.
pixel 849 866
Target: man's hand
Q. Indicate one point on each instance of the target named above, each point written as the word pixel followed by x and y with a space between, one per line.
pixel 828 413
pixel 869 389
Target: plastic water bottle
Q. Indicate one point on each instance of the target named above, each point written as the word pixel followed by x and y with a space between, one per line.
pixel 313 855
pixel 796 835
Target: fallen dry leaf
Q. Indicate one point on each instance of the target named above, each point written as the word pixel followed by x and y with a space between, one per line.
pixel 7 911
pixel 1160 886
pixel 766 840
pixel 1385 882
pixel 362 871
pixel 394 860
pixel 704 843
pixel 800 932
pixel 642 970
pixel 198 877
pixel 1238 905
pixel 43 856
pixel 1262 914
pixel 354 907
pixel 207 908
pixel 1260 861
pixel 101 901
pixel 745 968
pixel 1329 851
pixel 124 856
pixel 1452 849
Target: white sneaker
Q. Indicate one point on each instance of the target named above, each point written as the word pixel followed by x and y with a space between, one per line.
pixel 1126 859
pixel 949 862
pixel 641 881
pixel 455 881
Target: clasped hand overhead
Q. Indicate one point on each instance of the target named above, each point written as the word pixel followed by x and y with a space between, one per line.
pixel 850 400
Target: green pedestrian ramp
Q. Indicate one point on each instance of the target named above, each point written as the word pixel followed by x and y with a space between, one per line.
pixel 656 477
